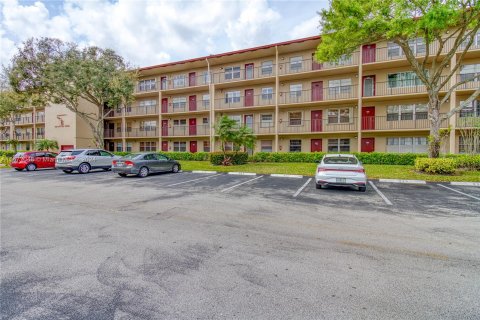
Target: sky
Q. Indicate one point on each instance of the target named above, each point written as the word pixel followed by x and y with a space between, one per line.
pixel 149 32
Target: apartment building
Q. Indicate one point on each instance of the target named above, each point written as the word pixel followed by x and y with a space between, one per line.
pixel 368 101
pixel 54 122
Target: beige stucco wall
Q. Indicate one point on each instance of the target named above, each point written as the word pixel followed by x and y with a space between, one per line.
pixel 64 133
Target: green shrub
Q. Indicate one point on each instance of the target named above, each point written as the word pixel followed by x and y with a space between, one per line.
pixel 390 158
pixel 436 166
pixel 7 153
pixel 121 153
pixel 217 158
pixel 187 156
pixel 468 162
pixel 5 161
pixel 286 157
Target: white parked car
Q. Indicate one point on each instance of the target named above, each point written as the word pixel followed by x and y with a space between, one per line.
pixel 341 170
pixel 84 160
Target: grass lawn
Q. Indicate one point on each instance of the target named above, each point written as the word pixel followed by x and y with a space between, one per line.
pixel 374 171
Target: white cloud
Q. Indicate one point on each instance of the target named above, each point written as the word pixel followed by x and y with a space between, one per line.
pixel 145 32
pixel 306 28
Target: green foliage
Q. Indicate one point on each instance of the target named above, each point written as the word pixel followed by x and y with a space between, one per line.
pixel 233 158
pixel 228 130
pixel 7 153
pixel 11 103
pixel 436 166
pixel 46 144
pixel 5 160
pixel 188 156
pixel 468 162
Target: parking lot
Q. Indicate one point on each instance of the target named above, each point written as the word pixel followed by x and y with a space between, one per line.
pixel 221 246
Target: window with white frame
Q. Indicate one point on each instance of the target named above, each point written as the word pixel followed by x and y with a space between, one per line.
pixel 179 81
pixel 266 120
pixel 148 125
pixel 407 112
pixel 119 147
pixel 338 145
pixel 475 43
pixel 470 72
pixel 206 146
pixel 339 115
pixel 206 100
pixel 266 146
pixel 179 146
pixel 179 103
pixel 295 90
pixel 417 46
pixel 267 68
pixel 295 145
pixel 403 79
pixel 146 85
pixel 470 110
pixel 129 147
pixel 179 122
pixel 232 97
pixel 237 118
pixel 205 120
pixel 340 86
pixel 206 77
pixel 394 50
pixel 232 73
pixel 148 146
pixel 407 144
pixel 295 118
pixel 267 93
pixel 147 106
pixel 296 63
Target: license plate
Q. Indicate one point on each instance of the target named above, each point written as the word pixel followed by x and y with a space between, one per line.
pixel 119 164
pixel 341 180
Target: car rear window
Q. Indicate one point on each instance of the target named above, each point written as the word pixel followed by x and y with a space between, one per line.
pixel 70 153
pixel 132 156
pixel 340 160
pixel 19 155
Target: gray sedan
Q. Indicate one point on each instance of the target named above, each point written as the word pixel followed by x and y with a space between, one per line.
pixel 142 164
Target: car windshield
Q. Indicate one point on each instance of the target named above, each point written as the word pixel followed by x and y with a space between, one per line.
pixel 133 156
pixel 340 160
pixel 19 155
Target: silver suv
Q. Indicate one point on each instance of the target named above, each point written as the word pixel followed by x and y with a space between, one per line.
pixel 84 160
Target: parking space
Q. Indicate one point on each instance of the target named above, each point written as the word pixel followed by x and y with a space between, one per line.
pixel 439 199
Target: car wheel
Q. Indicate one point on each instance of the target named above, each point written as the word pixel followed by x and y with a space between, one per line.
pixel 122 175
pixel 18 169
pixel 318 186
pixel 362 189
pixel 31 167
pixel 175 168
pixel 143 172
pixel 67 171
pixel 84 168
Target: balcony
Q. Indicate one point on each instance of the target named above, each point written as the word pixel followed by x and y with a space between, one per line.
pixel 146 88
pixel 244 74
pixel 245 101
pixel 24 120
pixel 40 135
pixel 408 87
pixel 473 84
pixel 468 120
pixel 39 119
pixel 141 132
pixel 311 65
pixel 4 136
pixel 317 95
pixel 181 82
pixel 186 130
pixel 141 110
pixel 113 112
pixel 23 136
pixel 190 106
pixel 317 126
pixel 378 123
pixel 111 133
pixel 383 54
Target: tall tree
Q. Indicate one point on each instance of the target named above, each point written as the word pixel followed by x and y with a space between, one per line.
pixel 228 130
pixel 58 72
pixel 447 27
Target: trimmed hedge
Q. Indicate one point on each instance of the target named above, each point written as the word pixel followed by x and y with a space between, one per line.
pixel 187 156
pixel 217 158
pixel 468 162
pixel 8 153
pixel 436 166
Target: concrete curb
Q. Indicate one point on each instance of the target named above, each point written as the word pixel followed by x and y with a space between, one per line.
pixel 471 184
pixel 286 175
pixel 202 171
pixel 403 181
pixel 243 173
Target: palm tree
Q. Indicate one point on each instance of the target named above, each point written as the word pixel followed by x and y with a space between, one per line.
pixel 46 144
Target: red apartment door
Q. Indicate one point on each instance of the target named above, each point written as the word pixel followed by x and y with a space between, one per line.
pixel 193 146
pixel 368 144
pixel 317 91
pixel 192 79
pixel 249 71
pixel 164 105
pixel 368 55
pixel 316 120
pixel 192 126
pixel 164 128
pixel 368 118
pixel 368 86
pixel 165 146
pixel 316 145
pixel 315 64
pixel 248 98
pixel 192 103
pixel 163 83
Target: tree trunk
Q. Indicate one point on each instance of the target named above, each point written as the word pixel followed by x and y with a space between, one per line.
pixel 434 140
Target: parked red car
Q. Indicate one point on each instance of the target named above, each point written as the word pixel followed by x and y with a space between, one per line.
pixel 33 160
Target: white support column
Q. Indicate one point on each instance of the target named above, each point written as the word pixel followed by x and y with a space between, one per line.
pixel 453 103
pixel 159 127
pixel 34 120
pixel 359 103
pixel 123 129
pixel 277 88
pixel 211 92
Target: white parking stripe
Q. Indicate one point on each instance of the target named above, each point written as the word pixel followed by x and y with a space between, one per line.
pixel 234 186
pixel 380 194
pixel 199 179
pixel 465 194
pixel 301 188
